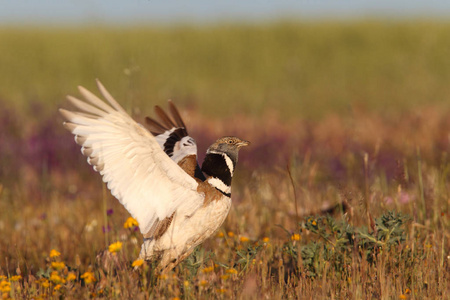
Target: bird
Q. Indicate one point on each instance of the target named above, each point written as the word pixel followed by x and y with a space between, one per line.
pixel 155 174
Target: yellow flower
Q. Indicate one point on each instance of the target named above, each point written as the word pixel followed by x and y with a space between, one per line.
pixel 57 287
pixel 314 223
pixel 55 278
pixel 137 263
pixel 221 291
pixel 296 237
pixel 176 298
pixel 71 276
pixel 208 269
pixel 15 278
pixel 244 239
pixel 225 276
pixel 45 283
pixel 5 286
pixel 88 277
pixel 230 234
pixel 402 296
pixel 54 253
pixel 266 239
pixel 130 222
pixel 220 235
pixel 232 271
pixel 2 277
pixel 186 283
pixel 115 247
pixel 58 265
pixel 204 282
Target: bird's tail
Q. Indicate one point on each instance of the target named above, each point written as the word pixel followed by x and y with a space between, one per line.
pixel 147 249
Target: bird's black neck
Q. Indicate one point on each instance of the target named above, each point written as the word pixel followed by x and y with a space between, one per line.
pixel 219 168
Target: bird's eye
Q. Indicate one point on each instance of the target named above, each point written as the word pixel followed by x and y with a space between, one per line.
pixel 230 142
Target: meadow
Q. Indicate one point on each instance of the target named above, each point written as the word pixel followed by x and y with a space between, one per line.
pixel 343 194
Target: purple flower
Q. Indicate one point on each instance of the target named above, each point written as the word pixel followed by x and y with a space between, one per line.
pixel 106 229
pixel 109 212
pixel 405 198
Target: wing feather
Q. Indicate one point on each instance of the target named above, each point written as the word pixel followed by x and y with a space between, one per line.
pixel 165 120
pixel 155 127
pixel 110 98
pixel 137 171
pixel 85 107
pixel 176 115
pixel 95 100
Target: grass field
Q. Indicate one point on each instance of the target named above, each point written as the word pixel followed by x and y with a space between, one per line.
pixel 343 194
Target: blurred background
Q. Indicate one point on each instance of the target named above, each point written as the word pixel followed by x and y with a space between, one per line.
pixel 299 78
pixel 296 74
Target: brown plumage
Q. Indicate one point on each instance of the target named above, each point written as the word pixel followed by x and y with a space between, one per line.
pixel 188 164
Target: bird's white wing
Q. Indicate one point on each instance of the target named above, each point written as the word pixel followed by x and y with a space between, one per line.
pixel 172 136
pixel 137 171
pixel 171 133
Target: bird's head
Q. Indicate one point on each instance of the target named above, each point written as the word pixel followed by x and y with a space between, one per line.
pixel 229 145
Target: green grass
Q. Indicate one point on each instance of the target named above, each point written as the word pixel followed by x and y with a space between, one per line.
pixel 295 69
pixel 358 112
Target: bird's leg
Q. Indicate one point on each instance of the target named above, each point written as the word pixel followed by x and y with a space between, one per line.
pixel 167 266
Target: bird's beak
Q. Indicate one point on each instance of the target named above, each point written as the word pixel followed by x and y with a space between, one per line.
pixel 243 144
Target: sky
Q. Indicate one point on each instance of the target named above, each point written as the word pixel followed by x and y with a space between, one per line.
pixel 174 11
